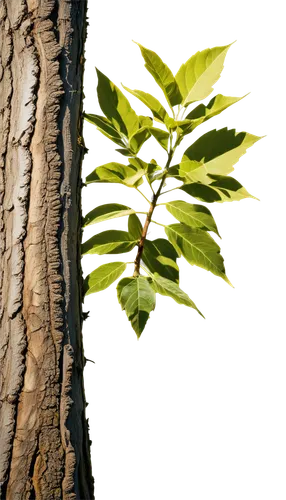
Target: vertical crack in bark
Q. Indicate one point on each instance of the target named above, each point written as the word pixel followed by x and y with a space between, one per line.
pixel 74 428
pixel 38 408
pixel 18 64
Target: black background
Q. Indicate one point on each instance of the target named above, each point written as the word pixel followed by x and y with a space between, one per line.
pixel 204 387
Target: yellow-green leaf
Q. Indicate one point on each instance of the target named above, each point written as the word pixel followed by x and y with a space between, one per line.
pixel 116 107
pixel 198 248
pixel 197 76
pixel 161 136
pixel 196 216
pixel 117 173
pixel 153 167
pixel 135 180
pixel 217 151
pixel 138 164
pixel 109 242
pixel 134 227
pixel 222 188
pixel 151 102
pixel 106 212
pixel 162 75
pixel 171 289
pixel 105 127
pixel 137 140
pixel 170 123
pixel 216 105
pixel 160 257
pixel 145 121
pixel 102 277
pixel 138 299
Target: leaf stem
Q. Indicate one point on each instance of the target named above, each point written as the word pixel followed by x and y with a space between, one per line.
pixel 143 195
pixel 159 224
pixel 152 207
pixel 169 190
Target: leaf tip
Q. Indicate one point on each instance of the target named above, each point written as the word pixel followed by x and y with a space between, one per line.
pixel 263 137
pixel 133 40
pixel 235 41
pixel 230 283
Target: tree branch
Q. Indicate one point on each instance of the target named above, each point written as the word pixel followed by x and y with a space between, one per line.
pixel 149 215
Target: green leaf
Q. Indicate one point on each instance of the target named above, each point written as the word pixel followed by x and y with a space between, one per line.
pixel 105 127
pixel 112 171
pixel 170 123
pixel 220 149
pixel 145 121
pixel 116 107
pixel 137 140
pixel 161 136
pixel 171 289
pixel 124 152
pixel 134 227
pixel 109 242
pixel 153 160
pixel 117 173
pixel 106 212
pixel 103 276
pixel 138 164
pixel 222 188
pixel 175 172
pixel 151 170
pixel 154 178
pixel 202 192
pixel 162 75
pixel 198 248
pixel 122 283
pixel 216 105
pixel 197 76
pixel 229 189
pixel 196 216
pixel 201 114
pixel 160 256
pixel 183 125
pixel 138 299
pixel 136 179
pixel 151 102
pixel 153 166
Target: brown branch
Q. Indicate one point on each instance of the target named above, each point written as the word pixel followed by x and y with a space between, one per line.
pixel 153 204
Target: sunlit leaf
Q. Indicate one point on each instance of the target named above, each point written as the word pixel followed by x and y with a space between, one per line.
pixel 222 188
pixel 198 74
pixel 157 68
pixel 104 128
pixel 190 213
pixel 115 172
pixel 147 98
pixel 198 248
pixel 139 139
pixel 160 256
pixel 161 137
pixel 115 105
pixel 172 291
pixel 105 275
pixel 214 153
pixel 107 212
pixel 134 226
pixel 137 300
pixel 108 242
pixel 213 108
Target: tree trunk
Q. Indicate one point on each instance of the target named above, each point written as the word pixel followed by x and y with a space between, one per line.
pixel 44 434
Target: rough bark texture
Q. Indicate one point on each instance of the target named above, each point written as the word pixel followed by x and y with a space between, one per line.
pixel 43 431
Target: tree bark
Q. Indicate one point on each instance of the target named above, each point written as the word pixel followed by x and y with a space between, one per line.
pixel 43 430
